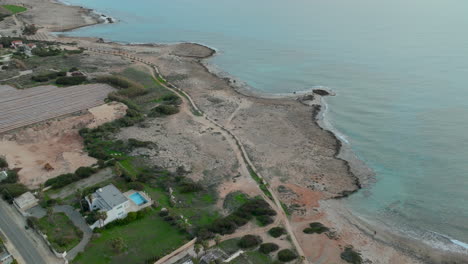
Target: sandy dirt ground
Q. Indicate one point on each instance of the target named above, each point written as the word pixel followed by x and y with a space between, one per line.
pixel 54 142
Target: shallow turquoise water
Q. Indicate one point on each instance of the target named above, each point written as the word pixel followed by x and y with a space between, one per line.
pixel 400 69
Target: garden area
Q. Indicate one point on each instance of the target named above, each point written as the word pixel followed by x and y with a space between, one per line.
pixel 60 230
pixel 137 242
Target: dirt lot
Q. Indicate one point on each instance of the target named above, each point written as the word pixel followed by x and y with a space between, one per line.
pixel 25 107
pixel 55 142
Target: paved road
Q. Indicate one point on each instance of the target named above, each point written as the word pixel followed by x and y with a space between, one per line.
pixel 79 222
pixel 15 232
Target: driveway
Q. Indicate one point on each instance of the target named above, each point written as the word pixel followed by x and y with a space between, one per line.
pixel 79 222
pixel 29 247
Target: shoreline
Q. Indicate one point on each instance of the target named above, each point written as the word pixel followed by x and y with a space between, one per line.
pixel 316 112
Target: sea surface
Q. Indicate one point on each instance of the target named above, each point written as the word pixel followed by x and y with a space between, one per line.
pixel 399 68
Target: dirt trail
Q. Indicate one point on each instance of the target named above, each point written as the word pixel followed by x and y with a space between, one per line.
pixel 233 139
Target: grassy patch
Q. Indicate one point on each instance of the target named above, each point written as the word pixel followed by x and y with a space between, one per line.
pixel 144 239
pixel 230 246
pixel 261 183
pixel 14 8
pixel 60 231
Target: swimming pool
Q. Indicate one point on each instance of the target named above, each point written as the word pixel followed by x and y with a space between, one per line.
pixel 138 199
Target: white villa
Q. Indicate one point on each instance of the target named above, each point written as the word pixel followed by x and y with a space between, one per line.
pixel 116 204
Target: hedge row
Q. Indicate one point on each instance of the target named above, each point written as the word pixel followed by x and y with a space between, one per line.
pixel 48 76
pixel 65 179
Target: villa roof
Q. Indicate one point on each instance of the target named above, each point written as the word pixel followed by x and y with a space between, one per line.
pixel 108 197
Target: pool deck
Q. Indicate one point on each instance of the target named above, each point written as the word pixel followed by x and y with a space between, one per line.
pixel 133 206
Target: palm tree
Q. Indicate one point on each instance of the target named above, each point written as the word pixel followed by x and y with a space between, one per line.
pixel 197 249
pixel 101 215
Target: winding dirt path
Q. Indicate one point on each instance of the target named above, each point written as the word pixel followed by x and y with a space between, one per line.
pixel 238 147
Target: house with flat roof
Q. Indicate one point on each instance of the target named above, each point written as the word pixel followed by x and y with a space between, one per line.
pixel 25 201
pixel 110 200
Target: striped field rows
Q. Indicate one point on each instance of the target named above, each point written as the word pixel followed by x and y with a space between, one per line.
pixel 20 108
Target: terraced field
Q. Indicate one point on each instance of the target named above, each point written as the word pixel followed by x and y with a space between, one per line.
pixel 20 108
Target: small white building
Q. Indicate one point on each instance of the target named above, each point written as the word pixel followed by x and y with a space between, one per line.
pixel 25 201
pixel 110 200
pixel 3 175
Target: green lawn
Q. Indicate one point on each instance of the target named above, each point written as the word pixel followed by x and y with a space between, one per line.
pixel 197 207
pixel 14 8
pixel 128 167
pixel 143 239
pixel 60 231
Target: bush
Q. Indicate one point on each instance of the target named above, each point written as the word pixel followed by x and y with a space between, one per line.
pixel 84 172
pixel 251 208
pixel 163 213
pixel 12 177
pixel 11 190
pixel 276 231
pixel 30 29
pixel 138 186
pixel 45 52
pixel 3 163
pixel 286 255
pixel 62 180
pixel 127 87
pixel 249 241
pixel 264 220
pixel 48 76
pixel 188 186
pixel 162 110
pixel 267 248
pixel 172 99
pixel 135 143
pixel 316 227
pixel 351 256
pixel 72 80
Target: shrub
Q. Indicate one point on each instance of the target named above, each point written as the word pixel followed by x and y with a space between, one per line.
pixel 276 231
pixel 163 213
pixel 84 172
pixel 286 255
pixel 316 227
pixel 188 186
pixel 127 87
pixel 135 143
pixel 172 99
pixel 11 190
pixel 12 177
pixel 72 80
pixel 136 186
pixel 264 220
pixel 267 248
pixel 249 241
pixel 61 180
pixel 45 52
pixel 351 256
pixel 251 208
pixel 30 29
pixel 3 163
pixel 162 110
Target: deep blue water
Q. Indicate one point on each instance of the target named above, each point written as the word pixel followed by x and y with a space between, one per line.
pixel 399 68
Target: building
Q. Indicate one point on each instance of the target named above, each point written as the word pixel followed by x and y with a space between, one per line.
pixel 25 201
pixel 3 175
pixel 5 257
pixel 31 45
pixel 110 200
pixel 16 43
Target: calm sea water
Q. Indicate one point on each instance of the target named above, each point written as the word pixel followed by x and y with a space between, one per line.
pixel 400 69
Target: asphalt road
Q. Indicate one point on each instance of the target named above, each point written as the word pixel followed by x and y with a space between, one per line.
pixel 16 233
